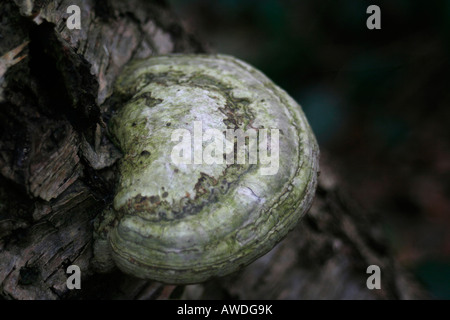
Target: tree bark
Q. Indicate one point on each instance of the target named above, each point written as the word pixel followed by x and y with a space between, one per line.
pixel 57 169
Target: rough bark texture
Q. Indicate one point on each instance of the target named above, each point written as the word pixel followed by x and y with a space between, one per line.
pixel 57 169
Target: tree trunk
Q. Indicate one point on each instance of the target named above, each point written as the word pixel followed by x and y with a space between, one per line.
pixel 57 169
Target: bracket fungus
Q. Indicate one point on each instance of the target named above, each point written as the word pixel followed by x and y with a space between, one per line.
pixel 186 222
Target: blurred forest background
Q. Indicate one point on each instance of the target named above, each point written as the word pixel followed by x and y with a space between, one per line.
pixel 378 101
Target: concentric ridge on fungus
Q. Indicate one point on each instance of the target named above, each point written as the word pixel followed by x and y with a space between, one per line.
pixel 187 223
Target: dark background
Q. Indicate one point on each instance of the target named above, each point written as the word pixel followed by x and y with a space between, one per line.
pixel 378 102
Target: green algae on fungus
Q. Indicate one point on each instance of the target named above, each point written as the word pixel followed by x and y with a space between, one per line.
pixel 186 223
